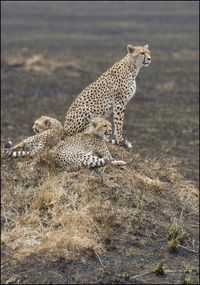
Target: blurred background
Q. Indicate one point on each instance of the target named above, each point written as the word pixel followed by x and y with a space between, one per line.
pixel 51 50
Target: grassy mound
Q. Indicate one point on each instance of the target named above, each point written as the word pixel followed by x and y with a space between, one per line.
pixel 58 214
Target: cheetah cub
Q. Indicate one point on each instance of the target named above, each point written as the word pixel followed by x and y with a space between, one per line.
pixel 110 93
pixel 49 132
pixel 86 149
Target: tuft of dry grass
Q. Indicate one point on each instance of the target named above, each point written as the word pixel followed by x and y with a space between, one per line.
pixel 174 236
pixel 58 214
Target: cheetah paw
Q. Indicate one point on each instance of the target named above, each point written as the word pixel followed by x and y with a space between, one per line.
pixel 124 143
pixel 106 159
pixel 118 162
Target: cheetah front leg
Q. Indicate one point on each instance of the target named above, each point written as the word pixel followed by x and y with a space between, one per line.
pixel 18 146
pixel 119 109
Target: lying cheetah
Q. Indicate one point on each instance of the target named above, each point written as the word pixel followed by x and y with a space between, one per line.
pixel 109 93
pixel 81 150
pixel 49 132
pixel 86 149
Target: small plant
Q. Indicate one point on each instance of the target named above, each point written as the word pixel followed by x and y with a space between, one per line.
pixel 174 236
pixel 159 269
pixel 190 269
pixel 124 275
pixel 187 280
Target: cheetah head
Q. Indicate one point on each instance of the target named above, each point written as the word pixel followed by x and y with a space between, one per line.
pixel 44 123
pixel 100 127
pixel 139 55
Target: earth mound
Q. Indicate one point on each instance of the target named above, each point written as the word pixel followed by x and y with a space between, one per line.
pixel 91 213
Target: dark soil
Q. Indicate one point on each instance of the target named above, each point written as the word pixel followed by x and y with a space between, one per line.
pixel 117 268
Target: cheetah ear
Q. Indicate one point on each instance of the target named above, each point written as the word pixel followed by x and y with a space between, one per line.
pixel 94 124
pixel 146 46
pixel 130 49
pixel 47 123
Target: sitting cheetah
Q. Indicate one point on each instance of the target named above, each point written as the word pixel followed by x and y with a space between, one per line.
pixel 81 150
pixel 109 93
pixel 49 132
pixel 86 149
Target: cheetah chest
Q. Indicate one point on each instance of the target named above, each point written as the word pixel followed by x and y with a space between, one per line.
pixel 130 89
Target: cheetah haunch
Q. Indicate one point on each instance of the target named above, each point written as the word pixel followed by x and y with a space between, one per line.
pixel 109 93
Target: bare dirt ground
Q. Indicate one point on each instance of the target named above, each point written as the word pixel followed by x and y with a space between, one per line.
pixel 51 231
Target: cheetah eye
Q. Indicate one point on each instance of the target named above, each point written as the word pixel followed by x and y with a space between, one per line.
pixel 142 52
pixel 105 126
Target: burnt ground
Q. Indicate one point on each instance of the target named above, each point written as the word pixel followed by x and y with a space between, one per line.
pixel 116 269
pixel 50 52
pixel 132 223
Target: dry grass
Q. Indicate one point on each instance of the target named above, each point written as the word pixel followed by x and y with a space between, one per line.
pixel 59 214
